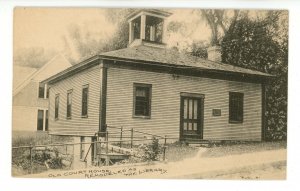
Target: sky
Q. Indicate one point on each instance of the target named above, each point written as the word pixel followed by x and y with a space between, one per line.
pixel 46 27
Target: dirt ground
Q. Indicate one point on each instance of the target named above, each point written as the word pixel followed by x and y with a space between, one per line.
pixel 263 165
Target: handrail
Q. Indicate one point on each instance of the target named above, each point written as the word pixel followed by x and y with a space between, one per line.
pixel 110 141
pixel 147 133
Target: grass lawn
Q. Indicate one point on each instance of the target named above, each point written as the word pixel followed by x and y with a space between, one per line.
pixel 177 152
pixel 247 147
pixel 25 138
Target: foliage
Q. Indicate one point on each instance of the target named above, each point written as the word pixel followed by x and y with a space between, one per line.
pixel 86 44
pixel 199 49
pixel 263 45
pixel 219 22
pixel 151 151
pixel 40 159
pixel 34 57
pixel 21 138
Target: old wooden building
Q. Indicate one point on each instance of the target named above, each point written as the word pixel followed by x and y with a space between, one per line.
pixel 30 97
pixel 149 87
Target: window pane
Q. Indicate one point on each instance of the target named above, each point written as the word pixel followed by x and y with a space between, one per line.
pixel 195 108
pixel 47 121
pixel 41 90
pixel 40 120
pixel 56 106
pixel 185 106
pixel 190 109
pixel 236 106
pixel 185 126
pixel 69 104
pixel 136 24
pixel 195 126
pixel 142 101
pixel 84 110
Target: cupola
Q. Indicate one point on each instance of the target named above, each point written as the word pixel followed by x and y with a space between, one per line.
pixel 146 27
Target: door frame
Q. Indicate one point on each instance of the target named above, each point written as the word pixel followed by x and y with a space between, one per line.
pixel 200 98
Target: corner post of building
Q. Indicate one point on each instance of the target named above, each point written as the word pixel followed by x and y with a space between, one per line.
pixel 263 111
pixel 130 32
pixel 143 26
pixel 103 92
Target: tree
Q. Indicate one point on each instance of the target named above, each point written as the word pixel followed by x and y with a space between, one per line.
pixel 219 22
pixel 263 45
pixel 33 57
pixel 84 44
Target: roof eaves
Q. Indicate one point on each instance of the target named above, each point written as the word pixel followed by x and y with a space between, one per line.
pixel 83 64
pixel 257 73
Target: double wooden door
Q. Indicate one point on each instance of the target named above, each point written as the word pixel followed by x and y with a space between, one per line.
pixel 191 117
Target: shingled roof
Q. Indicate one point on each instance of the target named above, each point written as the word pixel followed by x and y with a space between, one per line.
pixel 173 57
pixel 159 56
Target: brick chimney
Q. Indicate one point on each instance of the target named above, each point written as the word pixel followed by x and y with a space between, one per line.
pixel 214 53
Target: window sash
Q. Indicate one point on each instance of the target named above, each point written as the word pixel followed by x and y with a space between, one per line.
pixel 84 103
pixel 69 104
pixel 47 121
pixel 40 120
pixel 236 102
pixel 41 90
pixel 56 106
pixel 142 100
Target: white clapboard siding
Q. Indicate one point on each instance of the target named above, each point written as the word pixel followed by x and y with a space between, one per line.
pixel 76 125
pixel 165 106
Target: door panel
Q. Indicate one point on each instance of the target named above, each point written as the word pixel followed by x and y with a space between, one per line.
pixel 191 118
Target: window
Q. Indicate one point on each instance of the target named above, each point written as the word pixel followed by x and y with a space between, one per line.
pixel 82 147
pixel 47 94
pixel 47 121
pixel 84 109
pixel 136 24
pixel 69 104
pixel 56 106
pixel 40 120
pixel 154 29
pixel 236 102
pixel 41 90
pixel 142 100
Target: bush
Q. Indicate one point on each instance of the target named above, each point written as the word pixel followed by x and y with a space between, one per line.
pixel 152 151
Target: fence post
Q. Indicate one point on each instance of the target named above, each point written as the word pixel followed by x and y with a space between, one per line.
pixel 121 136
pixel 106 142
pixel 99 160
pixel 106 136
pixel 31 170
pixel 164 157
pixel 131 143
pixel 106 157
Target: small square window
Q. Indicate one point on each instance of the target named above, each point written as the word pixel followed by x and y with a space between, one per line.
pixel 236 107
pixel 142 100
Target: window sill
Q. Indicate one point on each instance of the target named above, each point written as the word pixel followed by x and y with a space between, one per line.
pixel 56 119
pixel 235 122
pixel 68 118
pixel 141 117
pixel 84 116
